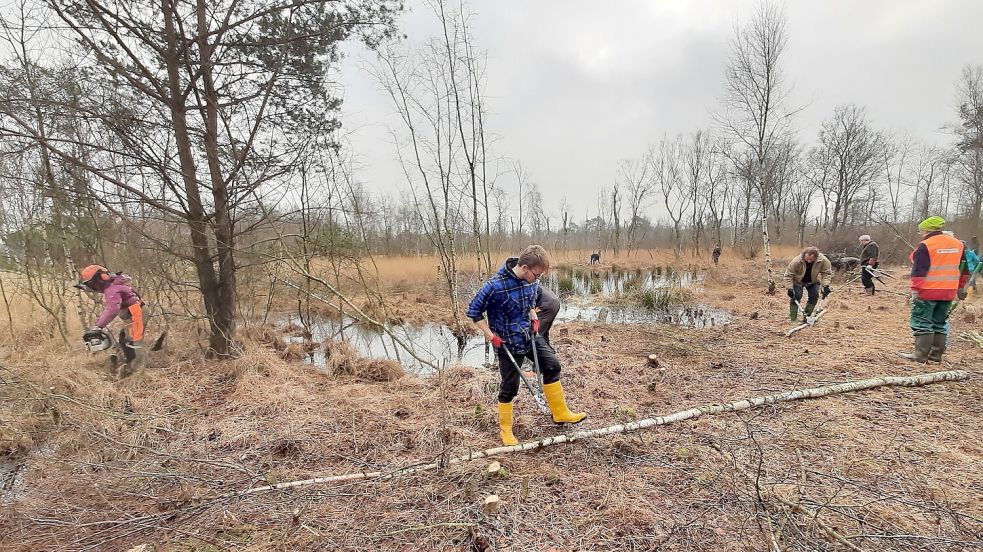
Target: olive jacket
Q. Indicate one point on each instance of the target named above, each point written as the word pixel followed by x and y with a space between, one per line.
pixel 822 271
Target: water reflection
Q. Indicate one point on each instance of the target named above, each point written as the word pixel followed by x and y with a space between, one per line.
pixel 584 294
pixel 583 282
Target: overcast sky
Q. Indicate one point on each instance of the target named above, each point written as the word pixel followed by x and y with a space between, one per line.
pixel 574 86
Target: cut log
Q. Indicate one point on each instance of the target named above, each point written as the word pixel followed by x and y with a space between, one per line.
pixel 491 505
pixel 709 409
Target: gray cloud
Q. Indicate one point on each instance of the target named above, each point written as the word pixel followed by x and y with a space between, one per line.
pixel 575 86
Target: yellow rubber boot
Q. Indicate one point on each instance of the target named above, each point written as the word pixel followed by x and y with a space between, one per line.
pixel 558 406
pixel 505 424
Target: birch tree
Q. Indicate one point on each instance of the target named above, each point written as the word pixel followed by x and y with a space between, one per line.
pixel 756 112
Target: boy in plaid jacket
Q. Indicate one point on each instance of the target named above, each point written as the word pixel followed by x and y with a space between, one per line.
pixel 509 299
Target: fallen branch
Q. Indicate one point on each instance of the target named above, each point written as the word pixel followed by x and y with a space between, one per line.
pixel 806 324
pixel 973 337
pixel 744 404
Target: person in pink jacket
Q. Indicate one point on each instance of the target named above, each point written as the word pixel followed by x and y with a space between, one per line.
pixel 118 297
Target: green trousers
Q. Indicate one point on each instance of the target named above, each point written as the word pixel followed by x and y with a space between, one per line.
pixel 929 317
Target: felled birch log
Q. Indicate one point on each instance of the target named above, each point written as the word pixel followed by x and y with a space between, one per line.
pixel 743 404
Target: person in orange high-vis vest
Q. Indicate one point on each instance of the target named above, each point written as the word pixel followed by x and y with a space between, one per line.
pixel 938 276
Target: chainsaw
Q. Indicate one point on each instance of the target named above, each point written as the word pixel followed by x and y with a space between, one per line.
pixel 96 339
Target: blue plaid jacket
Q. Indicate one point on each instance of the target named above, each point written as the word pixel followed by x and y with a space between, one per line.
pixel 507 299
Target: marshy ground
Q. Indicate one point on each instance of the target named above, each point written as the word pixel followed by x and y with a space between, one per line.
pixel 98 464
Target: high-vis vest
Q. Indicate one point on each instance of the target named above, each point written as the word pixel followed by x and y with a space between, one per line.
pixel 945 253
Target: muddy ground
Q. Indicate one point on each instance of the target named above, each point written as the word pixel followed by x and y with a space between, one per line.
pixel 111 465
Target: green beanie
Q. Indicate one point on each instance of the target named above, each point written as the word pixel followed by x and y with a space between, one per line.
pixel 931 224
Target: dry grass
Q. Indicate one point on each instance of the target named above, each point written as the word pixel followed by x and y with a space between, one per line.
pixel 109 465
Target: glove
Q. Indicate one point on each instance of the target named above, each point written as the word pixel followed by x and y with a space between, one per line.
pixel 496 341
pixel 826 291
pixel 791 293
pixel 961 294
pixel 872 263
pixel 535 325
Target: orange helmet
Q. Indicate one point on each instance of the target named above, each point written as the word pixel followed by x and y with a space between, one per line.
pixel 91 271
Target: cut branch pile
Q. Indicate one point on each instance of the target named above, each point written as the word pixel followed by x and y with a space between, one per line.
pixel 744 404
pixel 973 337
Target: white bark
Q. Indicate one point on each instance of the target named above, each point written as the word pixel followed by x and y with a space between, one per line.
pixel 744 404
pixel 805 324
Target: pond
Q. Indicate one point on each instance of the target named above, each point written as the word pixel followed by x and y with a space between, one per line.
pixel 585 282
pixel 586 295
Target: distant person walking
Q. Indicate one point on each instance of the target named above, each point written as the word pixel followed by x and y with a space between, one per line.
pixel 938 274
pixel 868 258
pixel 716 254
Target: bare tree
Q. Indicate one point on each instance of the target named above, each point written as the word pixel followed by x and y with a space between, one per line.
pixel 616 201
pixel 932 171
pixel 695 169
pixel 855 154
pixel 637 179
pixel 756 114
pixel 969 94
pixel 897 157
pixel 717 194
pixel 675 197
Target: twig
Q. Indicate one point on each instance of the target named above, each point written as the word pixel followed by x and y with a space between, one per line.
pixel 424 527
pixel 793 506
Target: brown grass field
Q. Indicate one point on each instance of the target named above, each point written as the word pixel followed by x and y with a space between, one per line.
pixel 97 464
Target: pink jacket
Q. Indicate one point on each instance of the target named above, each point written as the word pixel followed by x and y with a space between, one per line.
pixel 118 295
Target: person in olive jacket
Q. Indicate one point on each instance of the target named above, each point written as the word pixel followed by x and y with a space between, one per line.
pixel 810 271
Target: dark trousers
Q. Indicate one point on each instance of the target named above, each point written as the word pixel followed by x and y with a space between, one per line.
pixel 866 278
pixel 812 290
pixel 549 364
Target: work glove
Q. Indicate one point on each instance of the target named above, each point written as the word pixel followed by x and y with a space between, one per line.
pixel 496 341
pixel 961 294
pixel 791 293
pixel 535 325
pixel 826 291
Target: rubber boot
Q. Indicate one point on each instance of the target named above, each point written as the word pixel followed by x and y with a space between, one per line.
pixel 869 291
pixel 558 406
pixel 505 424
pixel 793 312
pixel 938 347
pixel 923 344
pixel 809 308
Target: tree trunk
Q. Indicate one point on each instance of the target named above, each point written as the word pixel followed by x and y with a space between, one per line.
pixel 196 214
pixel 222 339
pixel 683 415
pixel 766 245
